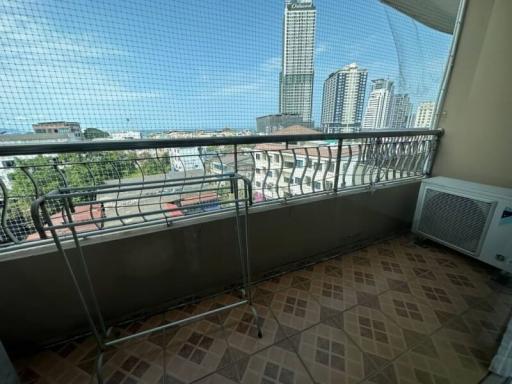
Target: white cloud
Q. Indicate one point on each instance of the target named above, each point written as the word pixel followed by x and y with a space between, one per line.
pixel 321 47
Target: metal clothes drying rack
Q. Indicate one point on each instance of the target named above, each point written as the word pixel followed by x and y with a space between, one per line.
pixel 234 191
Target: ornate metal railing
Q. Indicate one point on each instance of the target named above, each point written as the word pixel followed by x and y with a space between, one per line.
pixel 278 167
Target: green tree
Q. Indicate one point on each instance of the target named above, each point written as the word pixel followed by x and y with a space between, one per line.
pixel 95 133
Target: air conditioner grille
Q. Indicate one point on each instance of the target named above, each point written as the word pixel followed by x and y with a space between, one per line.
pixel 456 220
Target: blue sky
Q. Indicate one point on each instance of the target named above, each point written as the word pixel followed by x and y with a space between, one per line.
pixel 190 64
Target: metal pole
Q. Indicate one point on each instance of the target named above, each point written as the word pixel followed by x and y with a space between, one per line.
pixel 85 268
pixel 235 153
pixel 85 307
pixel 338 162
pixel 449 65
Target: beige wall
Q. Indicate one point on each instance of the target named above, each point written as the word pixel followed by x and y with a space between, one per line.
pixel 477 119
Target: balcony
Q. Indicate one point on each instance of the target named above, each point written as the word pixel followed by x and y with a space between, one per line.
pixel 342 292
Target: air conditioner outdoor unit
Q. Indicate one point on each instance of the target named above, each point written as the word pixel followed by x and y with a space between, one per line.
pixel 475 219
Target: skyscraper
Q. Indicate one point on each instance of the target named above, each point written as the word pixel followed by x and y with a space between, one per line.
pixel 424 115
pixel 401 111
pixel 296 80
pixel 343 99
pixel 379 105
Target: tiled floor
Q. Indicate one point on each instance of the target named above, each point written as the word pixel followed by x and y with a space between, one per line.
pixel 395 312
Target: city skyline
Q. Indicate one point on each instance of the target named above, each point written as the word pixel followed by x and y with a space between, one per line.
pixel 132 69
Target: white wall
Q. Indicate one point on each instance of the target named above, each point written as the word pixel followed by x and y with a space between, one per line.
pixel 477 145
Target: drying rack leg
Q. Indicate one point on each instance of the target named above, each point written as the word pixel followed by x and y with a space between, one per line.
pixel 99 365
pixel 256 320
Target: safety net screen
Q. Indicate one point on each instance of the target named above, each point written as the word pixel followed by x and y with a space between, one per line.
pixel 138 68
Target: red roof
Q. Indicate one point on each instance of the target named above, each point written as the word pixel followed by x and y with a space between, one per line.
pixel 199 198
pixel 83 213
pixel 175 210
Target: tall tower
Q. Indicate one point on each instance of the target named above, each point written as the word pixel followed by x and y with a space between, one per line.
pixel 343 99
pixel 401 112
pixel 296 79
pixel 377 113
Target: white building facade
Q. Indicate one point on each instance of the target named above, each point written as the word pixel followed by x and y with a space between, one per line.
pixel 125 135
pixel 283 172
pixel 425 115
pixel 378 110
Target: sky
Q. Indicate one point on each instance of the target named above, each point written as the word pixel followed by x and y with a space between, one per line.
pixel 167 65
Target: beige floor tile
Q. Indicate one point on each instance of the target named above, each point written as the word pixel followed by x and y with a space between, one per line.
pixel 242 332
pixel 196 350
pixel 276 364
pixel 409 312
pixel 295 310
pixel 376 334
pixel 331 357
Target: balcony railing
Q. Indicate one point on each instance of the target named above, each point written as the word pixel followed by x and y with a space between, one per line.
pixel 279 168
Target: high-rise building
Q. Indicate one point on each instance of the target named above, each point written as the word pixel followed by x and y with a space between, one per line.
pixel 424 115
pixel 401 112
pixel 297 72
pixel 343 99
pixel 377 113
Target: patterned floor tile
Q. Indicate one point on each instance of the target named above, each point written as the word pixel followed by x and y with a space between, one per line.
pixel 137 326
pixel 278 364
pixel 488 316
pixel 446 300
pixel 409 312
pixel 365 279
pixel 376 334
pixel 330 268
pixel 278 283
pixel 242 332
pixel 424 364
pixel 465 356
pixel 196 350
pixel 295 310
pixel 331 292
pixel 215 378
pixel 206 305
pixel 364 315
pixel 48 366
pixel 141 362
pixel 331 357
